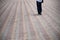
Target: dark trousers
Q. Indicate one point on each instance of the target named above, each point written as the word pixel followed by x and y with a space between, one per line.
pixel 39 7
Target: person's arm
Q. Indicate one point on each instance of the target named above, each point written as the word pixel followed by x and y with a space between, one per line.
pixel 42 1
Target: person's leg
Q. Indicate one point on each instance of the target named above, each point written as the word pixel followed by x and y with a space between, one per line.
pixel 39 7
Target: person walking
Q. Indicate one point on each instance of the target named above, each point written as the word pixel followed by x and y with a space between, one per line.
pixel 39 6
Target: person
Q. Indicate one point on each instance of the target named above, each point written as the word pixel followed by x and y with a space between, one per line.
pixel 39 6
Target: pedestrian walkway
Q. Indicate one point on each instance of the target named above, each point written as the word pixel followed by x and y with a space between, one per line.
pixel 19 20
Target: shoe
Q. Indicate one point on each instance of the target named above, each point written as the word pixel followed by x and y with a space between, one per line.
pixel 39 14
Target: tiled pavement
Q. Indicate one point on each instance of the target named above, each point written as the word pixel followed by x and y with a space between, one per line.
pixel 19 20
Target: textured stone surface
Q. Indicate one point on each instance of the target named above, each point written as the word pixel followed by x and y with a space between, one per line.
pixel 19 20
